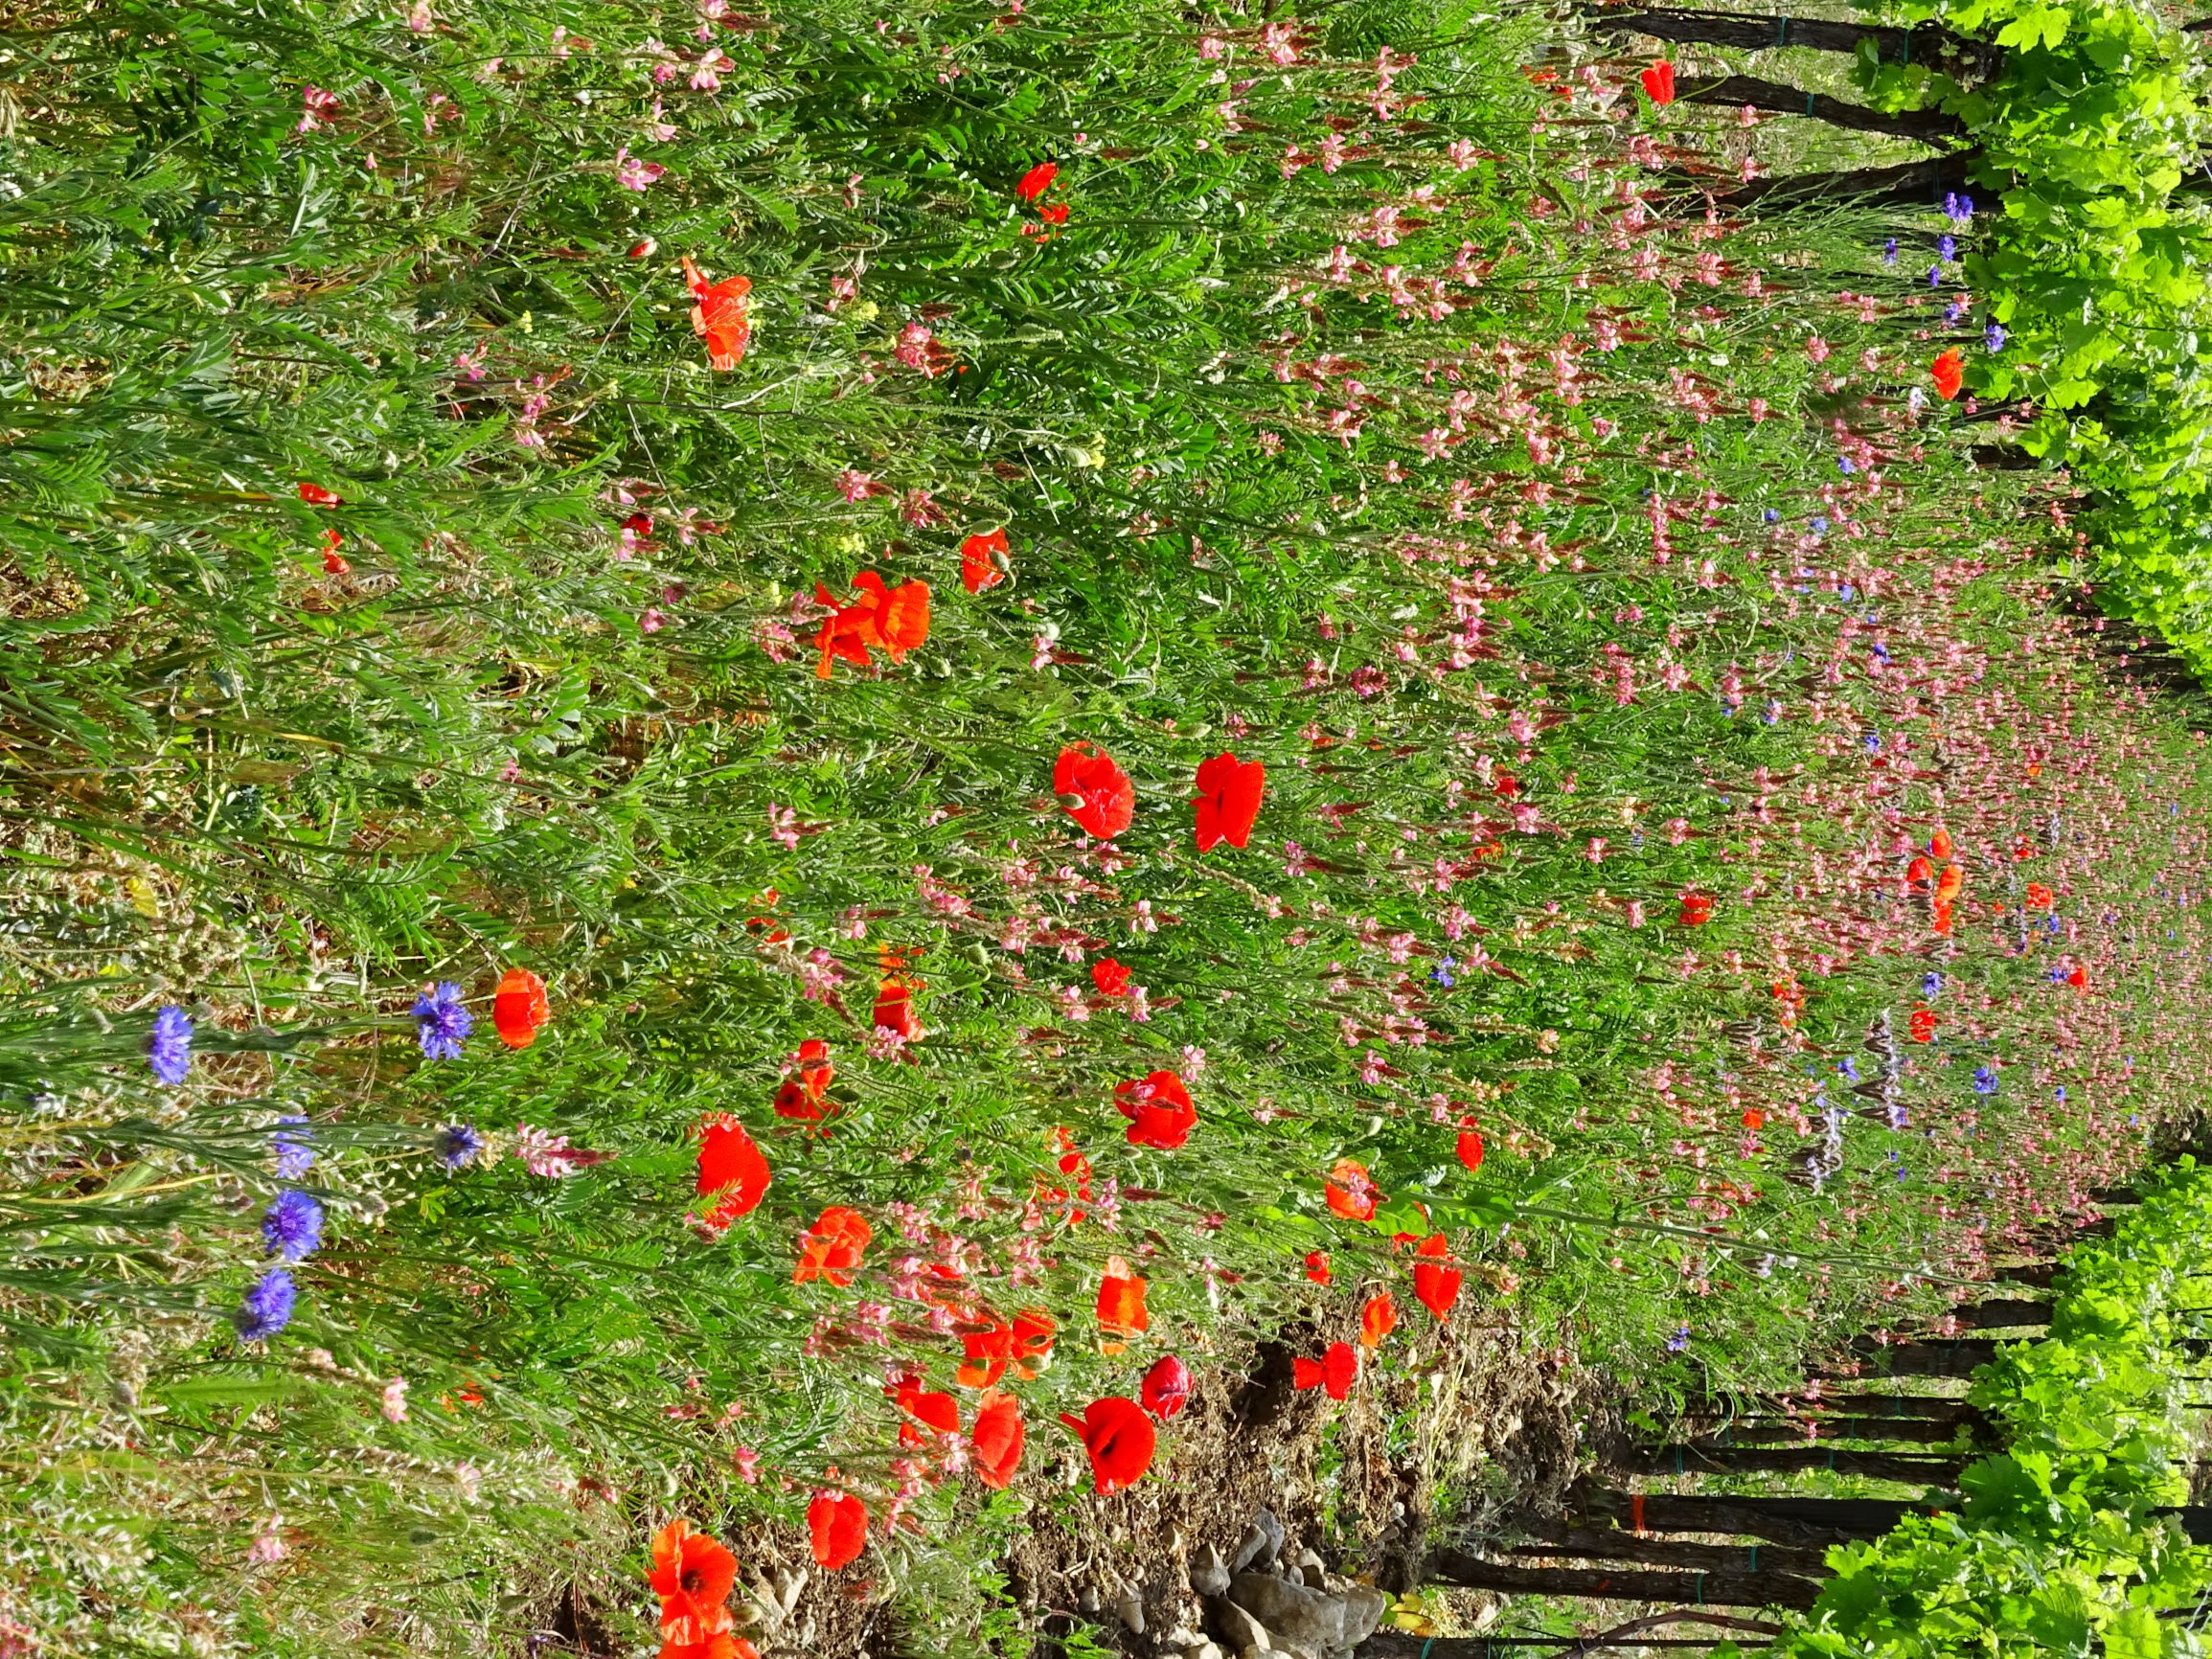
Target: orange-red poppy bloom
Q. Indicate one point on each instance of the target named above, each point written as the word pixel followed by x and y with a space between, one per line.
pixel 1697 909
pixel 1941 912
pixel 1469 1147
pixel 1110 977
pixel 929 1409
pixel 1121 1301
pixel 1378 1319
pixel 996 1442
pixel 1918 874
pixel 1037 180
pixel 1922 1024
pixel 1333 1372
pixel 722 1645
pixel 1939 843
pixel 518 1008
pixel 1095 792
pixel 1754 1119
pixel 1166 1388
pixel 2078 977
pixel 721 315
pixel 693 1575
pixel 1033 1333
pixel 1158 1108
pixel 1351 1191
pixel 315 495
pixel 837 1529
pixel 2038 895
pixel 1119 1438
pixel 1435 1283
pixel 1228 799
pixel 802 1096
pixel 731 1163
pixel 985 561
pixel 833 1246
pixel 1229 791
pixel 1659 82
pixel 1318 1267
pixel 891 619
pixel 1948 372
pixel 895 1006
pixel 1950 882
pixel 334 563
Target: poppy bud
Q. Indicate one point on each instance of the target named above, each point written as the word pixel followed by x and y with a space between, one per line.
pixel 643 250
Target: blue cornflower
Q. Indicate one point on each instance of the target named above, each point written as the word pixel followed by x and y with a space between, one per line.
pixel 1956 208
pixel 458 1146
pixel 2051 925
pixel 1873 742
pixel 1945 248
pixel 1953 311
pixel 1843 465
pixel 1773 712
pixel 1993 337
pixel 293 1225
pixel 1985 1080
pixel 1889 252
pixel 1896 1118
pixel 2055 974
pixel 1771 515
pixel 1881 650
pixel 1849 1067
pixel 441 1022
pixel 1846 593
pixel 1441 972
pixel 294 1159
pixel 1932 985
pixel 1679 1340
pixel 168 1050
pixel 268 1307
pixel 1819 524
pixel 2062 1094
pixel 1935 276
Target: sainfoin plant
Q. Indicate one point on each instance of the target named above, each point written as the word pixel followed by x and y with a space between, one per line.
pixel 765 770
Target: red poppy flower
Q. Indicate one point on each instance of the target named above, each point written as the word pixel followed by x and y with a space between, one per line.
pixel 2078 977
pixel 1119 1438
pixel 2038 895
pixel 1333 1372
pixel 837 1528
pixel 1166 1388
pixel 1110 977
pixel 1034 1334
pixel 1095 792
pixel 1352 1193
pixel 832 1247
pixel 895 1006
pixel 518 1009
pixel 1940 911
pixel 801 1096
pixel 1949 884
pixel 1378 1319
pixel 315 495
pixel 1506 787
pixel 1435 1285
pixel 931 1410
pixel 1754 1119
pixel 892 620
pixel 1469 1147
pixel 1121 1299
pixel 1659 82
pixel 1158 1108
pixel 1948 372
pixel 983 560
pixel 1054 214
pixel 1318 1267
pixel 1918 874
pixel 1923 1025
pixel 1939 843
pixel 730 1162
pixel 1697 909
pixel 334 563
pixel 693 1575
pixel 720 316
pixel 722 1645
pixel 996 1442
pixel 1229 791
pixel 1037 180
